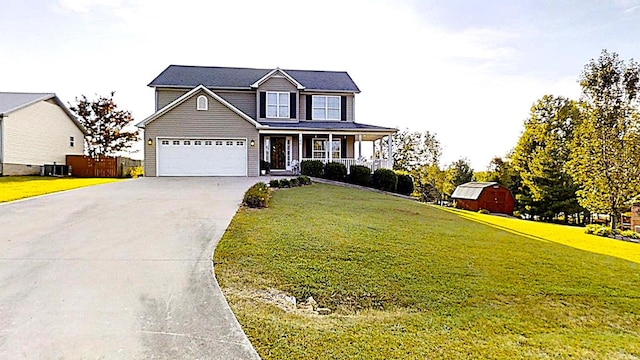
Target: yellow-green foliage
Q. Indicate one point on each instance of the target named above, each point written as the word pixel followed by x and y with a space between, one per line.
pixel 136 172
pixel 20 187
pixel 407 280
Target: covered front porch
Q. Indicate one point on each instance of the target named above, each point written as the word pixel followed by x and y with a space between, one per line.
pixel 286 150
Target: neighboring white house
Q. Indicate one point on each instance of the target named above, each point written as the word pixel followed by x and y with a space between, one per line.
pixel 36 129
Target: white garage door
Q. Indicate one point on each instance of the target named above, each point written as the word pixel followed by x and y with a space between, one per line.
pixel 202 157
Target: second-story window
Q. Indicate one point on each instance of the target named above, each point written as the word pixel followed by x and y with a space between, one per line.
pixel 202 103
pixel 277 104
pixel 326 107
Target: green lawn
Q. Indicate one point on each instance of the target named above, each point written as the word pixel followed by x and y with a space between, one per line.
pixel 407 280
pixel 20 187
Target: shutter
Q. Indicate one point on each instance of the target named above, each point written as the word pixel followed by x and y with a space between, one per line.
pixel 343 108
pixel 263 104
pixel 343 148
pixel 309 99
pixel 292 105
pixel 308 148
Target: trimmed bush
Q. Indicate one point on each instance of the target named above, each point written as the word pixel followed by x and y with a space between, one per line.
pixel 285 183
pixel 274 183
pixel 405 184
pixel 385 180
pixel 257 196
pixel 599 230
pixel 335 171
pixel 483 211
pixel 313 168
pixel 294 182
pixel 630 234
pixel 304 180
pixel 360 175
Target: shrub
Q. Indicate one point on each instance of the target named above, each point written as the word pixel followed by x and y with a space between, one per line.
pixel 257 196
pixel 313 168
pixel 285 183
pixel 599 230
pixel 304 180
pixel 630 234
pixel 265 165
pixel 385 180
pixel 135 172
pixel 294 182
pixel 274 183
pixel 405 184
pixel 335 171
pixel 483 211
pixel 360 175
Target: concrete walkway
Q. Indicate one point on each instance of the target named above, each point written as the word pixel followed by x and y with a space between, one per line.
pixel 119 271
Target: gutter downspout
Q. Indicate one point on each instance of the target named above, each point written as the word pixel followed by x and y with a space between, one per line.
pixel 2 116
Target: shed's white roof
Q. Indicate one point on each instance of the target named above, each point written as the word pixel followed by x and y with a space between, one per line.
pixel 471 190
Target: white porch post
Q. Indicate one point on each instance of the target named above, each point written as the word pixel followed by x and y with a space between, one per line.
pixel 330 147
pixel 390 156
pixel 299 147
pixel 373 154
pixel 360 146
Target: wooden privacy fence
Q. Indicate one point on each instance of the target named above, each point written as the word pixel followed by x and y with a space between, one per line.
pixel 103 167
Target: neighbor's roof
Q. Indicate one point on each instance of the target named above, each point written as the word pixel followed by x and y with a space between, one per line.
pixel 326 125
pixel 242 78
pixel 14 101
pixel 471 190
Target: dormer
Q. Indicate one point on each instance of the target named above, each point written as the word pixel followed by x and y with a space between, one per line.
pixel 278 96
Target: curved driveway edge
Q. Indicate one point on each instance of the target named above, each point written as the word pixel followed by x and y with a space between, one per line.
pixel 120 270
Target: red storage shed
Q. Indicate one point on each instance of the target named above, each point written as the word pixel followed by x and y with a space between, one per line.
pixel 490 196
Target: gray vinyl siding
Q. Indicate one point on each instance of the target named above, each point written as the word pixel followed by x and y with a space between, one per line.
pixel 245 101
pixel 302 104
pixel 185 121
pixel 276 84
pixel 166 96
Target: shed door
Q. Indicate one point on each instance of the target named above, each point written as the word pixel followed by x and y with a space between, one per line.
pixel 202 157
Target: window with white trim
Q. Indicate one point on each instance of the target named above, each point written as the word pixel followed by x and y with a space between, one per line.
pixel 197 142
pixel 187 142
pixel 320 149
pixel 165 142
pixel 278 104
pixel 229 143
pixel 326 107
pixel 208 142
pixel 239 143
pixel 176 142
pixel 218 143
pixel 72 141
pixel 202 103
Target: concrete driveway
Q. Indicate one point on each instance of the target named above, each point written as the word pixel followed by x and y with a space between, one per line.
pixel 119 271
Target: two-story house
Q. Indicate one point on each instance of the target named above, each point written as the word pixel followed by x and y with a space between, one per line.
pixel 220 121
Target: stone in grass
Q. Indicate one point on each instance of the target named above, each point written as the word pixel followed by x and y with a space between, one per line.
pixel 323 311
pixel 311 302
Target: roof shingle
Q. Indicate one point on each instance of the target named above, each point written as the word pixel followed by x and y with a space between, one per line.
pixel 231 77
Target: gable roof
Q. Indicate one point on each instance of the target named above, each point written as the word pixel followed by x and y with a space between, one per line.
pixel 283 73
pixel 181 76
pixel 471 190
pixel 13 101
pixel 188 95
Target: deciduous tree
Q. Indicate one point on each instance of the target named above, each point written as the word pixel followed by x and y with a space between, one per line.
pixel 108 127
pixel 604 157
pixel 541 156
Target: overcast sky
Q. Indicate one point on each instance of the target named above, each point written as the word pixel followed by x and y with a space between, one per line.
pixel 467 70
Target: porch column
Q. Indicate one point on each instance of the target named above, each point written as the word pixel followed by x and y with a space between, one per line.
pixel 359 146
pixel 330 147
pixel 373 154
pixel 390 156
pixel 299 147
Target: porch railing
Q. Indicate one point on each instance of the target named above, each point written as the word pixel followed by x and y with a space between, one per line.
pixel 374 164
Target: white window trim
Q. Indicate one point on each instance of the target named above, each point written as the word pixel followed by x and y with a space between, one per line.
pixel 72 141
pixel 204 105
pixel 277 105
pixel 326 108
pixel 327 148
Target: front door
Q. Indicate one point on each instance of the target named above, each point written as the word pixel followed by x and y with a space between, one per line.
pixel 278 154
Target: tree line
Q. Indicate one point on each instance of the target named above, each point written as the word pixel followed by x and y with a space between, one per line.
pixel 573 158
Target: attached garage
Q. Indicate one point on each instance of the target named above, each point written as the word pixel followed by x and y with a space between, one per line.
pixel 201 157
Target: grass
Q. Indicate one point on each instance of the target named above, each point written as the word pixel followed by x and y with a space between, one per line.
pixel 20 187
pixel 407 280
